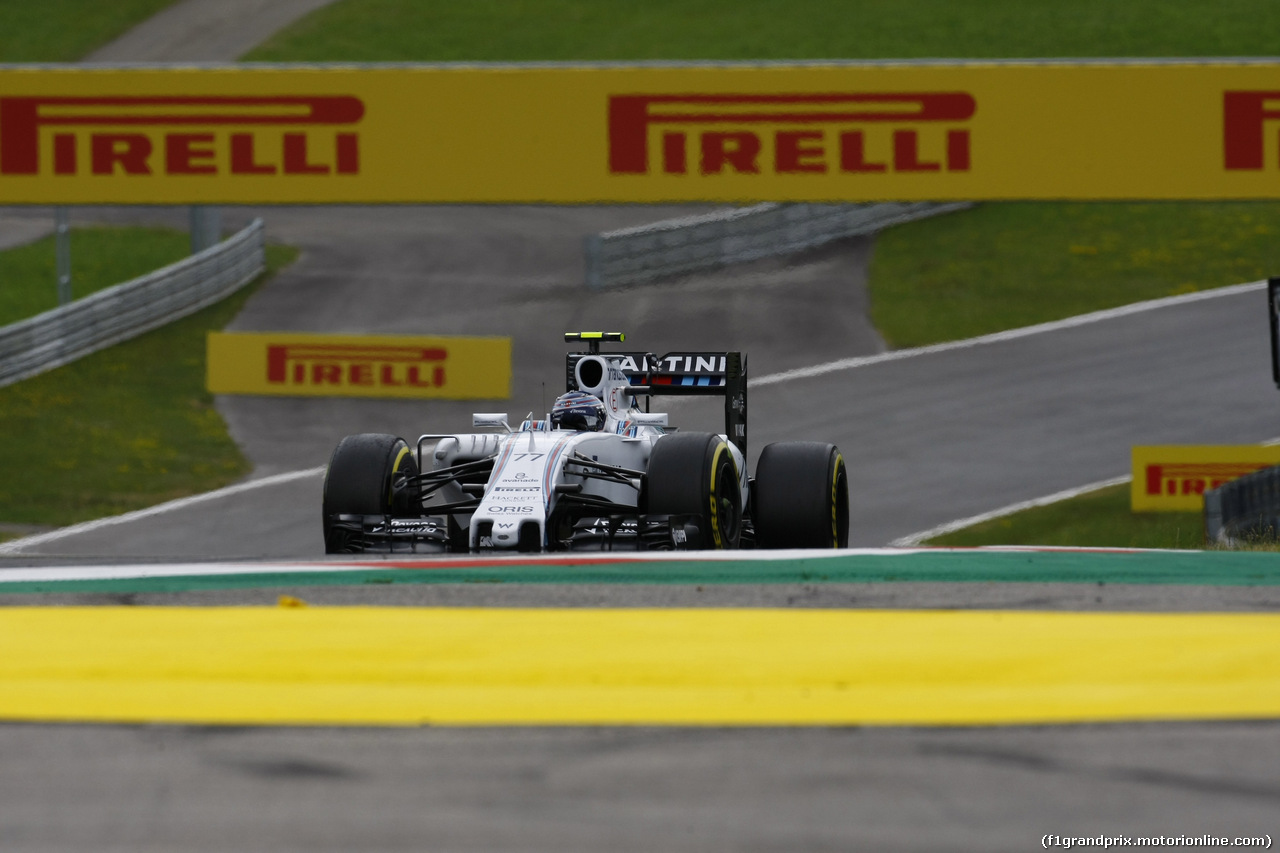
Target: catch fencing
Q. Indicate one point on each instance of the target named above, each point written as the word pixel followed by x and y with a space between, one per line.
pixel 674 247
pixel 1244 509
pixel 124 311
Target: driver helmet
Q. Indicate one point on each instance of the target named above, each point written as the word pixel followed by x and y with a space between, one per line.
pixel 578 410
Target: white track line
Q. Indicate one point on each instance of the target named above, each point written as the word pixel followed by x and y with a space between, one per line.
pixel 494 561
pixel 952 526
pixel 916 539
pixel 1010 335
pixel 410 562
pixel 17 546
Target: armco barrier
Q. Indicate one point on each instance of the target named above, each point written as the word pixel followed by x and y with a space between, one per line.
pixel 1247 508
pixel 127 310
pixel 676 246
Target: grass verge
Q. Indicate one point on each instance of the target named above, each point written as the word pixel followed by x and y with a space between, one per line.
pixel 66 30
pixel 528 30
pixel 122 429
pixel 1002 266
pixel 1101 519
pixel 100 258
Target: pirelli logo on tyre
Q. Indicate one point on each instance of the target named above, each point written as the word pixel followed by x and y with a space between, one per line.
pixel 290 364
pixel 1174 478
pixel 865 133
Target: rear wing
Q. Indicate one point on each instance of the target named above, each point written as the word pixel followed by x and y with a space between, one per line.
pixel 675 374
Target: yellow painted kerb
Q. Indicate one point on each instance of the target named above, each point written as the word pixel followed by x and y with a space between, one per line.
pixel 400 666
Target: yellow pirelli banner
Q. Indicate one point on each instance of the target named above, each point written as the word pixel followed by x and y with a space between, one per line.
pixel 613 133
pixel 308 365
pixel 1175 477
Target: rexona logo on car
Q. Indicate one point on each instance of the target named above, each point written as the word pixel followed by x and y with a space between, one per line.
pixel 291 364
pixel 790 134
pixel 1175 477
pixel 210 135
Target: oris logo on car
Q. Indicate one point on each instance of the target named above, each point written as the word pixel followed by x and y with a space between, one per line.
pixel 852 133
pixel 180 135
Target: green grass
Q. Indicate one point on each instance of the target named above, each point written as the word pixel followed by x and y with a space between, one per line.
pixel 122 429
pixel 1001 266
pixel 525 30
pixel 100 257
pixel 66 30
pixel 1101 519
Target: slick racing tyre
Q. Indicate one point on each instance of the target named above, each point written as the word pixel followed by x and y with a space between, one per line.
pixel 801 497
pixel 694 473
pixel 367 476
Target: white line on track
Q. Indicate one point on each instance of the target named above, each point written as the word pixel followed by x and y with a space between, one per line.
pixel 952 526
pixel 410 562
pixel 16 546
pixel 1010 335
pixel 454 562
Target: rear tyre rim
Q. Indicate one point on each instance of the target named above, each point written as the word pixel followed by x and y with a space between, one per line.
pixel 726 490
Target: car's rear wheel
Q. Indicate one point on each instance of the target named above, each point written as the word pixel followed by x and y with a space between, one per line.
pixel 368 474
pixel 695 474
pixel 801 496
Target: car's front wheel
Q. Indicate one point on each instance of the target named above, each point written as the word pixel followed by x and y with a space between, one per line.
pixel 369 474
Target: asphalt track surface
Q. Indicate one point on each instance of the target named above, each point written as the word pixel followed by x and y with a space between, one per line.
pixel 929 439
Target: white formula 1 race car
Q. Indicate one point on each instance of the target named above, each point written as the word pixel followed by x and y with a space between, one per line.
pixel 598 473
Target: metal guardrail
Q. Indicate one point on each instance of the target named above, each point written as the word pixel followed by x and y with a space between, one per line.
pixel 124 311
pixel 677 246
pixel 1247 508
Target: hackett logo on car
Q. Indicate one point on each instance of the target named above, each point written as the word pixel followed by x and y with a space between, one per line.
pixel 389 367
pixel 1175 477
pixel 292 364
pixel 178 136
pixel 790 134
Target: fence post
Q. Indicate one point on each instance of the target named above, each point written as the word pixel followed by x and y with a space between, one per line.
pixel 1213 517
pixel 592 246
pixel 62 253
pixel 206 228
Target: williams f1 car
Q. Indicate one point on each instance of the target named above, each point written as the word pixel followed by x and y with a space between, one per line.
pixel 599 472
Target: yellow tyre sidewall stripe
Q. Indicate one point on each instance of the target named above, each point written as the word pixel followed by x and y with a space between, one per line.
pixel 403 666
pixel 395 470
pixel 716 534
pixel 835 500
